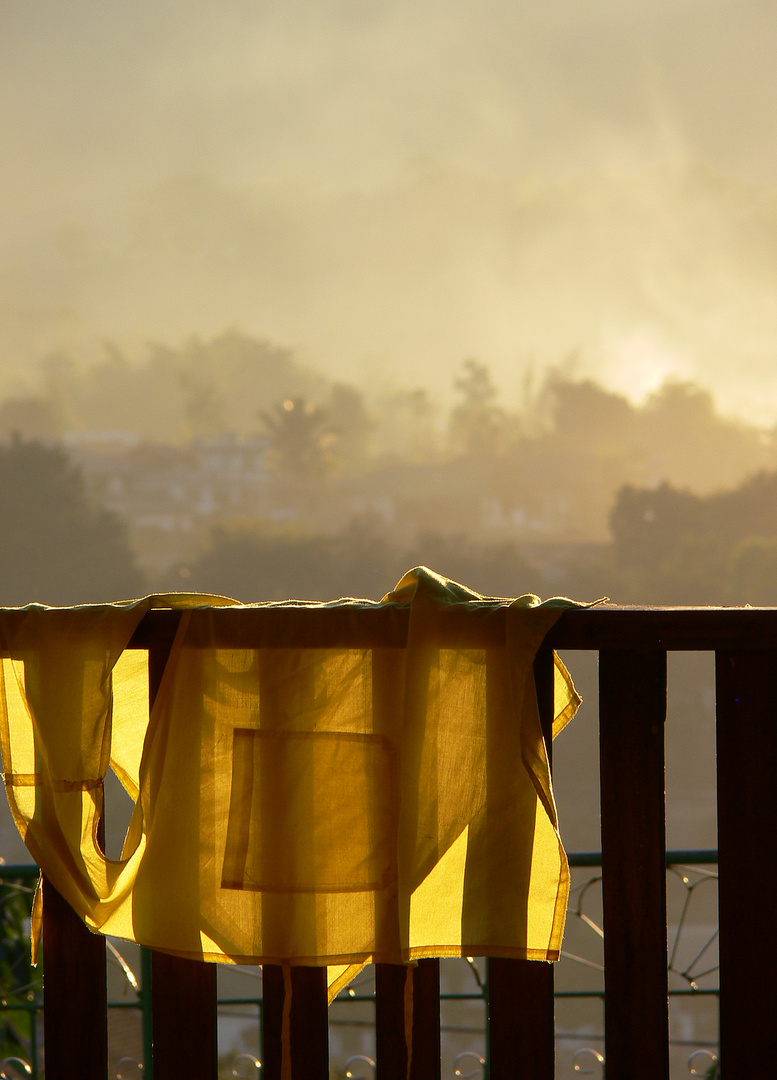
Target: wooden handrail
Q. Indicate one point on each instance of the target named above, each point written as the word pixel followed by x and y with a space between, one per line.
pixel 633 643
pixel 480 625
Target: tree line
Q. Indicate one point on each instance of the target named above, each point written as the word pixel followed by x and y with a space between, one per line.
pixel 667 545
pixel 681 500
pixel 243 385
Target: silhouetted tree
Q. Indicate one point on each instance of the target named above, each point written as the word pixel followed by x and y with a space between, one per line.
pixel 590 416
pixel 752 571
pixel 490 569
pixel 747 510
pixel 676 547
pixel 348 420
pixel 200 387
pixel 301 440
pixel 252 565
pixel 203 406
pixel 696 447
pixel 647 525
pixel 360 561
pixel 476 422
pixel 29 417
pixel 55 546
pixel 408 425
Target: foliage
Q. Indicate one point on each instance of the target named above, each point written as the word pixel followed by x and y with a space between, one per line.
pixel 301 440
pixel 646 523
pixel 16 972
pixel 361 561
pixel 492 569
pixel 252 563
pixel 752 571
pixel 576 459
pixel 204 407
pixel 477 422
pixel 200 388
pixel 676 547
pixel 407 425
pixel 55 546
pixel 29 417
pixel 351 425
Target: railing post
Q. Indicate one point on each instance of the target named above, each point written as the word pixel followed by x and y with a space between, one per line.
pixel 75 1003
pixel 308 1023
pixel 632 711
pixel 521 1021
pixel 183 992
pixel 747 856
pixel 146 1013
pixel 309 1016
pixel 390 1034
pixel 184 1018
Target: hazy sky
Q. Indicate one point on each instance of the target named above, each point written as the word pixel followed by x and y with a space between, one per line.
pixel 393 186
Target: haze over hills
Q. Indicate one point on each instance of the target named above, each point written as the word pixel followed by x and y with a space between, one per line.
pixel 387 189
pixel 217 215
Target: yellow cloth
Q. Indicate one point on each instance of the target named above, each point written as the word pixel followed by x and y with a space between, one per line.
pixel 293 805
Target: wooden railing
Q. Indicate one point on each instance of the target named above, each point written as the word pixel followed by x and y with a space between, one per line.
pixel 632 645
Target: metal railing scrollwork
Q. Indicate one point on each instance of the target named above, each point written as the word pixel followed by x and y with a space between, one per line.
pixel 359 1060
pixel 469 1056
pixel 252 1063
pixel 692 959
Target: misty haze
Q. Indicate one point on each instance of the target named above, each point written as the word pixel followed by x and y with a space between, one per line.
pixel 388 190
pixel 296 296
pixel 515 269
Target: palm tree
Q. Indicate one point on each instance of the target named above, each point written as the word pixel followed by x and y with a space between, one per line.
pixel 300 440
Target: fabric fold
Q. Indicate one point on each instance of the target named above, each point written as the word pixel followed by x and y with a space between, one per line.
pixel 378 799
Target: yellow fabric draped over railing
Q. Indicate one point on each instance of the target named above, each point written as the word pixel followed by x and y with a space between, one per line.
pixel 327 806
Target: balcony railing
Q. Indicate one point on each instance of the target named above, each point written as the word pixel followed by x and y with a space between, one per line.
pixel 632 645
pixel 463 1031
